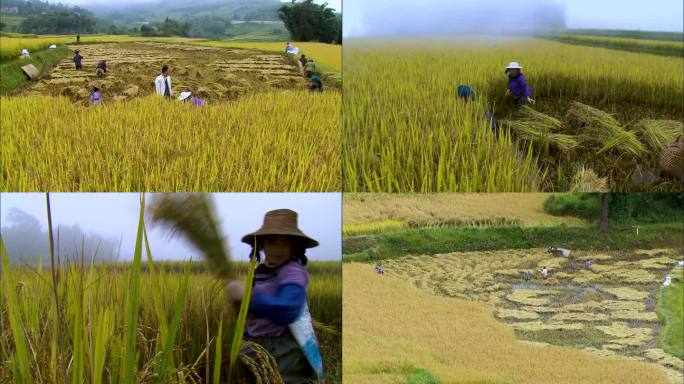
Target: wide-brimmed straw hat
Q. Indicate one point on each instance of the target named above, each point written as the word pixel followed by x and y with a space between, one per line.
pixel 184 95
pixel 281 222
pixel 96 85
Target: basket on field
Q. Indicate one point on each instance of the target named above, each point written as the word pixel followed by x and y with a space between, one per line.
pixel 672 159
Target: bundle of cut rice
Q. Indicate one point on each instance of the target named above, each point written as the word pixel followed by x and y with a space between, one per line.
pixel 192 216
pixel 604 130
pixel 586 180
pixel 539 128
pixel 659 133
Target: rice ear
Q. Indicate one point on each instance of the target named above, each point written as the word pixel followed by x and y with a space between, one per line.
pixel 192 216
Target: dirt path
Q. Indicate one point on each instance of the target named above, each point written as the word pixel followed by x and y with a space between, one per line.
pixel 212 73
pixel 608 310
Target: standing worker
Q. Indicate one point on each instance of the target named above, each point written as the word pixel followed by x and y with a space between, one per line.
pixel 310 68
pixel 303 60
pixel 78 38
pixel 517 86
pixel 78 60
pixel 163 83
pixel 25 54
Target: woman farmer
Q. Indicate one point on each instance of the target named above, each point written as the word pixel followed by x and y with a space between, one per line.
pixel 316 84
pixel 95 95
pixel 279 318
pixel 465 93
pixel 517 86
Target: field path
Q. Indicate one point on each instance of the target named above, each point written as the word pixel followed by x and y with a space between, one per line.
pixel 210 72
pixel 391 327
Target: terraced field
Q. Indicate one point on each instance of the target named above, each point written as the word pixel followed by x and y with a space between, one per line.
pixel 608 310
pixel 210 72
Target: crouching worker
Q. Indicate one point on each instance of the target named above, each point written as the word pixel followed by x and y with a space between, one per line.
pixel 517 86
pixel 466 94
pixel 316 84
pixel 95 95
pixel 279 318
pixel 101 68
pixel 188 97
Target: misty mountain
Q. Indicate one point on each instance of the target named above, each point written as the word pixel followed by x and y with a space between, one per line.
pixel 157 10
pixel 26 241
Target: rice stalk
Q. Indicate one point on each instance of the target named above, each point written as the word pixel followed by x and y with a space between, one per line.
pixel 217 354
pixel 132 303
pixel 585 180
pixel 257 365
pixel 20 358
pixel 103 332
pixel 239 330
pixel 167 355
pixel 192 216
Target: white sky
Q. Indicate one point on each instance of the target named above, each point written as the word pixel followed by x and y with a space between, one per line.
pixel 114 214
pixel 337 4
pixel 362 17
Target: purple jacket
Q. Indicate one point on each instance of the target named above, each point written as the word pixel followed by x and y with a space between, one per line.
pixel 518 86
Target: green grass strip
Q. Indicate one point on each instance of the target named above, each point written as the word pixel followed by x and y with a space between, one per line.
pixel 11 75
pixel 670 308
pixel 432 241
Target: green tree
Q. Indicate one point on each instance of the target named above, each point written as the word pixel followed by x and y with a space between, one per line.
pixel 307 21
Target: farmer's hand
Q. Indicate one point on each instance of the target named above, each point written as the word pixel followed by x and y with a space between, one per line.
pixel 531 100
pixel 236 290
pixel 508 92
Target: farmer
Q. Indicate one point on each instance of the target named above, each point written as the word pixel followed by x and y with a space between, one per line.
pixel 78 38
pixel 188 97
pixel 316 84
pixel 95 95
pixel 279 318
pixel 310 68
pixel 517 87
pixel 466 94
pixel 379 269
pixel 163 83
pixel 303 60
pixel 25 54
pixel 588 264
pixel 101 68
pixel 77 60
pixel 527 276
pixel 545 272
pixel 288 47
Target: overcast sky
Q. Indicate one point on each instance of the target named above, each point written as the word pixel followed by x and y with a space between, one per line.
pixel 337 4
pixel 114 214
pixel 363 17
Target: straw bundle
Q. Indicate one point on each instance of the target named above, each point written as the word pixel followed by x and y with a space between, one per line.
pixel 659 133
pixel 602 128
pixel 586 180
pixel 192 216
pixel 538 128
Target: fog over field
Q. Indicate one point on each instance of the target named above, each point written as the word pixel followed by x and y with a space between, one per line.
pixel 445 17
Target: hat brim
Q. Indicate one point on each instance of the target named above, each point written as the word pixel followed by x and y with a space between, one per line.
pixel 306 240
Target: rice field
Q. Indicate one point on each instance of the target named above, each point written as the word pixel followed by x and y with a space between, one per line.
pixel 607 311
pixel 260 129
pixel 392 328
pixel 137 322
pixel 364 211
pixel 404 129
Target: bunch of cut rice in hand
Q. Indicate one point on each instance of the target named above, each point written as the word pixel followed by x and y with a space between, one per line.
pixel 191 215
pixel 586 180
pixel 603 129
pixel 659 133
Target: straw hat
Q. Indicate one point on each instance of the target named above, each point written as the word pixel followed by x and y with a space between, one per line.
pixel 514 65
pixel 184 95
pixel 281 222
pixel 96 84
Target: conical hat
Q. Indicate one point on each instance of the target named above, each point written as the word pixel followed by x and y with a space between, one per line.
pixel 281 222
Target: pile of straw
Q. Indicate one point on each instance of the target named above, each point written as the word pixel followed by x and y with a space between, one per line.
pixel 541 129
pixel 586 180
